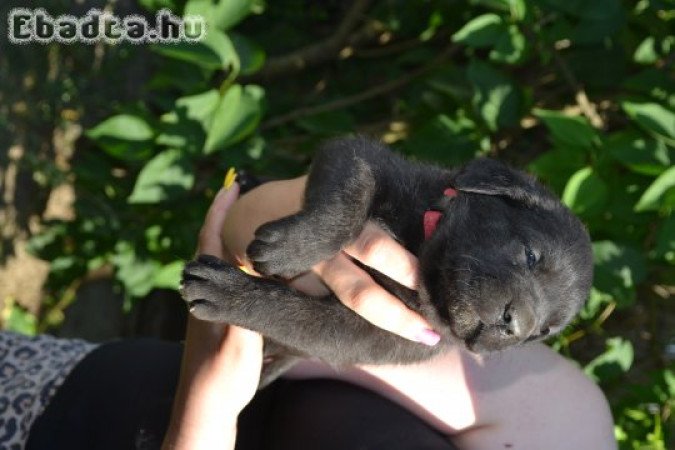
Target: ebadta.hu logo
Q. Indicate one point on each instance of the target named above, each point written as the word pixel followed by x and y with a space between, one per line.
pixel 37 25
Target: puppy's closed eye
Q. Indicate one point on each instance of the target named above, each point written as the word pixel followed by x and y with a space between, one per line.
pixel 530 258
pixel 542 334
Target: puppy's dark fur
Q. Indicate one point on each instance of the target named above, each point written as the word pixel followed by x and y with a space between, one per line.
pixel 508 263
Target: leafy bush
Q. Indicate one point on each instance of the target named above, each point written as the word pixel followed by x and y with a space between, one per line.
pixel 580 93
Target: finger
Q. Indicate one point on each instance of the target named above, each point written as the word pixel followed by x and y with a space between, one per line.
pixel 209 236
pixel 376 249
pixel 310 284
pixel 359 292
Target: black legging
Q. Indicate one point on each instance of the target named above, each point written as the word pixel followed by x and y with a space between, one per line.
pixel 120 397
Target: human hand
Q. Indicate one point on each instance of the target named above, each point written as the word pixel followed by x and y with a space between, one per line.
pixel 353 286
pixel 221 364
pixel 359 292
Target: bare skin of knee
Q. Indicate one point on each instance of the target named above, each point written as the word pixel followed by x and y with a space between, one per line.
pixel 526 397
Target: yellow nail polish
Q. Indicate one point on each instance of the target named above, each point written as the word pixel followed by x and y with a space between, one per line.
pixel 230 178
pixel 246 270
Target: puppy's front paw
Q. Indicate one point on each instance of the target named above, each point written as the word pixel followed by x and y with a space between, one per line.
pixel 211 288
pixel 285 247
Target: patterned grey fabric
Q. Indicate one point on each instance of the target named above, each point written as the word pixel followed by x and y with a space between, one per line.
pixel 31 370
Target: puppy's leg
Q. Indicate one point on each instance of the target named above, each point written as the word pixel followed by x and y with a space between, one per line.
pixel 277 359
pixel 342 183
pixel 274 369
pixel 321 327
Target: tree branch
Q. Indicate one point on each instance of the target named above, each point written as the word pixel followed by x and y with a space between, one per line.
pixel 586 107
pixel 359 97
pixel 324 50
pixel 393 48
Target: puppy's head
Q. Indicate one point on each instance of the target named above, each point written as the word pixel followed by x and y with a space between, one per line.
pixel 507 263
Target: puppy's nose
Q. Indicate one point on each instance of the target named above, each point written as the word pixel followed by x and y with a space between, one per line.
pixel 519 321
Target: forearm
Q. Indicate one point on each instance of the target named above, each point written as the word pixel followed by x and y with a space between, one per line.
pixel 220 367
pixel 200 418
pixel 218 378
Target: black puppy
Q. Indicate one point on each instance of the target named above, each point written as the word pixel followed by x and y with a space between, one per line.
pixel 501 260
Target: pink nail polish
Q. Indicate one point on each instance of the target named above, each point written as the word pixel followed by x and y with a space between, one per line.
pixel 428 337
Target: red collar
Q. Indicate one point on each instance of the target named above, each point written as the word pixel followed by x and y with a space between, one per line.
pixel 431 217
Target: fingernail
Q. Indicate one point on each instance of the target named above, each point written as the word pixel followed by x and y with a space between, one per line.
pixel 224 190
pixel 428 337
pixel 230 177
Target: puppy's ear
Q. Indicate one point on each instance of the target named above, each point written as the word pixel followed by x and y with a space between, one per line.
pixel 491 177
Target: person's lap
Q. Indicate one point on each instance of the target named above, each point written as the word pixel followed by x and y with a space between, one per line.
pixel 526 397
pixel 120 396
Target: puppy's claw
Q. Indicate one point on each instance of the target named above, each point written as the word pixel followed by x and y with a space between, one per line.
pixel 211 287
pixel 194 304
pixel 256 250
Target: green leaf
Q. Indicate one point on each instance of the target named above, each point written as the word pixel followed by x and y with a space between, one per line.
pixel 45 245
pixel 62 263
pixel 200 107
pixel 452 82
pixel 557 165
pixel 567 130
pixel 223 14
pixel 646 52
pixel 482 31
pixel 176 131
pixel 517 8
pixel 665 240
pixel 444 140
pixel 510 47
pixel 19 320
pixel 169 276
pixel 228 13
pixel 124 127
pixel 585 193
pixel 641 154
pixel 599 24
pixel 652 117
pixel 669 381
pixel 489 30
pixel 617 359
pixel 156 5
pixel 124 136
pixel 214 52
pixel 176 76
pixel 162 178
pixel 136 274
pixel 599 66
pixel 596 300
pixel 618 269
pixel 496 99
pixel 654 83
pixel 659 193
pixel 236 117
pixel 251 55
pixel 186 126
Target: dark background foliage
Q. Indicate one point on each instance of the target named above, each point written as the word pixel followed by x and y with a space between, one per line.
pixel 111 153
